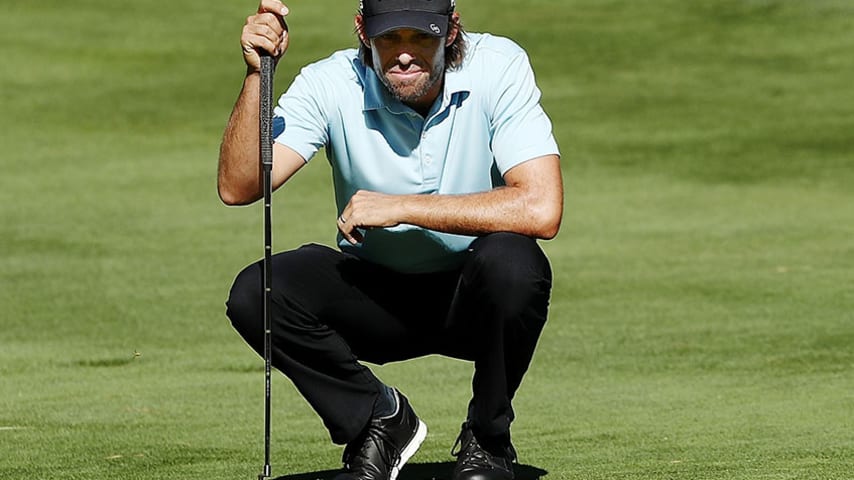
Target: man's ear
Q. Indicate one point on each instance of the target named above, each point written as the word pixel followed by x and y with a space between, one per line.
pixel 454 30
pixel 360 31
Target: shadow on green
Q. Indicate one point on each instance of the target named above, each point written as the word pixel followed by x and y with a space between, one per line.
pixel 422 471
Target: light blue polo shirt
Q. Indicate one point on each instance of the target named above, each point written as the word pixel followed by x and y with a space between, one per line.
pixel 487 120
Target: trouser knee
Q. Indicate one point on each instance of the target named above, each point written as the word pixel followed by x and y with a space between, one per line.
pixel 244 306
pixel 512 272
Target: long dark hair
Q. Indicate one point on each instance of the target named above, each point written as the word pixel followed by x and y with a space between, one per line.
pixel 454 53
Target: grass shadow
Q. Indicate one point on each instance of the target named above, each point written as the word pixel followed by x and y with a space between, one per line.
pixel 105 362
pixel 422 471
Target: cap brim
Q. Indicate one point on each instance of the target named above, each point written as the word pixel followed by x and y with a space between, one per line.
pixel 431 23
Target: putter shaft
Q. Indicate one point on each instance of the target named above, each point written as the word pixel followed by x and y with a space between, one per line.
pixel 266 157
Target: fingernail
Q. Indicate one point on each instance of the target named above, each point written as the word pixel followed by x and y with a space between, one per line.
pixel 285 11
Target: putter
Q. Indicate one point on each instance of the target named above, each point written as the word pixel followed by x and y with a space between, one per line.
pixel 266 140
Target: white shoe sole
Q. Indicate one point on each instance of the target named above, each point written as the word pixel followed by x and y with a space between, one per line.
pixel 410 449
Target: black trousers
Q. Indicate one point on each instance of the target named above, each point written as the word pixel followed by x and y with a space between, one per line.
pixel 332 310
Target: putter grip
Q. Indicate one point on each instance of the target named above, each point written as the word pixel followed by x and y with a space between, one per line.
pixel 266 110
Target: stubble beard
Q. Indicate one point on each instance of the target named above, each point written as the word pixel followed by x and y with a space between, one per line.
pixel 411 91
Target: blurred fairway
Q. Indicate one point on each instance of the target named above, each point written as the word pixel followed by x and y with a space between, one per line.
pixel 702 324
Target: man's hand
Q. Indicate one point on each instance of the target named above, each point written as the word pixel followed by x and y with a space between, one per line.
pixel 368 210
pixel 265 31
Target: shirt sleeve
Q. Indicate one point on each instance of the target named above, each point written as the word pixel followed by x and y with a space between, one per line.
pixel 299 118
pixel 519 127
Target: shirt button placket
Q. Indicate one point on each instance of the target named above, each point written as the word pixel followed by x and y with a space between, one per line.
pixel 430 174
pixel 428 159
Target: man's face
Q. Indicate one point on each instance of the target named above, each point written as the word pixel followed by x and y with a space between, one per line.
pixel 410 63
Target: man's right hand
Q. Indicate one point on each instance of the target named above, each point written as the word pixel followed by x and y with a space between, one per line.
pixel 265 31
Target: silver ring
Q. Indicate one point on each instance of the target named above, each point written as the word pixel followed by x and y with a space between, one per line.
pixel 342 219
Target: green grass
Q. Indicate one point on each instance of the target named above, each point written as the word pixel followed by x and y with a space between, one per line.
pixel 701 323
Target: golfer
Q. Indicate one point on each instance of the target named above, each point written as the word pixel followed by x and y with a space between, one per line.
pixel 445 173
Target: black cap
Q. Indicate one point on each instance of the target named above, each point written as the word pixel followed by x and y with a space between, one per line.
pixel 429 16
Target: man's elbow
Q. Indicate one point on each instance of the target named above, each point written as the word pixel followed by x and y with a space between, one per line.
pixel 228 199
pixel 232 197
pixel 546 222
pixel 548 230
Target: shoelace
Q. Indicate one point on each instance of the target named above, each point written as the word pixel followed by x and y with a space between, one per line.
pixel 472 453
pixel 459 441
pixel 388 453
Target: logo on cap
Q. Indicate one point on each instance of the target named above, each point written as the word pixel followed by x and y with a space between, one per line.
pixel 435 28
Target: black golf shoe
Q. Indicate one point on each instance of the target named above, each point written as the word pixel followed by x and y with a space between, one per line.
pixel 476 463
pixel 385 445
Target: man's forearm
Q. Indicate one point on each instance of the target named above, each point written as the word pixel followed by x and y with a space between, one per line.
pixel 238 175
pixel 531 204
pixel 504 209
